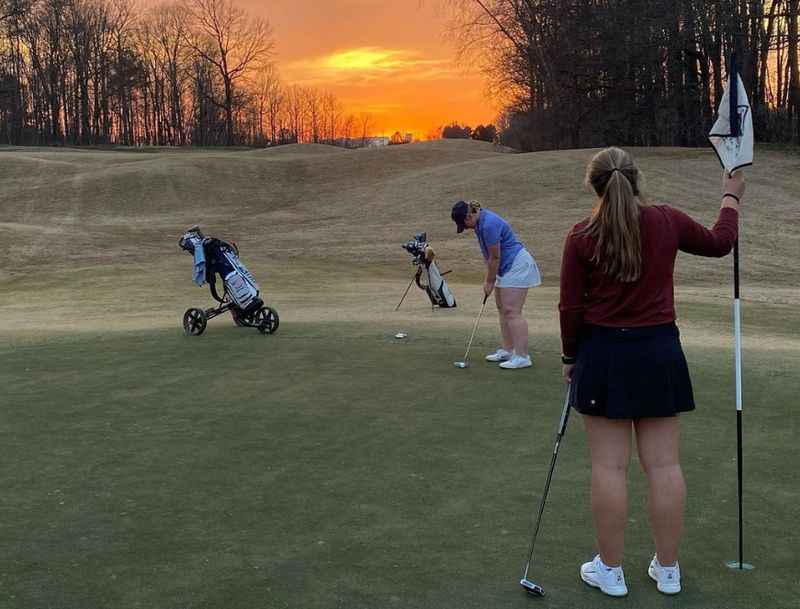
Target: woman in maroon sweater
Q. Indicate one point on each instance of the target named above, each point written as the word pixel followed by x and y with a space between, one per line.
pixel 622 354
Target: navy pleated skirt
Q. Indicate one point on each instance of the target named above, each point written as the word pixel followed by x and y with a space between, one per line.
pixel 631 373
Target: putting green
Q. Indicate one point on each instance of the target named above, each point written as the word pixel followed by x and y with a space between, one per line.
pixel 334 465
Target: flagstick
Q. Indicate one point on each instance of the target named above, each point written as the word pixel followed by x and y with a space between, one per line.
pixel 737 329
pixel 735 131
pixel 737 322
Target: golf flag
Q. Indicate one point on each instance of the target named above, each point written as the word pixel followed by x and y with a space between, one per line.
pixel 732 139
pixel 732 134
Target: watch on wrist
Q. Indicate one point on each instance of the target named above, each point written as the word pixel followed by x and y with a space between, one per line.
pixel 567 360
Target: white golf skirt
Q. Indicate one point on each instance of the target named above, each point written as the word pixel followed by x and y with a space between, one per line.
pixel 524 273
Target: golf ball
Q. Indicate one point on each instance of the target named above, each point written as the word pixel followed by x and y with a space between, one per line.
pixel 401 335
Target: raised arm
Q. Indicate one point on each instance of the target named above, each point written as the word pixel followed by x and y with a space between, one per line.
pixel 696 239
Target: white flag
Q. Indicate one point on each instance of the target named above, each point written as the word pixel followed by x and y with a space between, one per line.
pixel 733 152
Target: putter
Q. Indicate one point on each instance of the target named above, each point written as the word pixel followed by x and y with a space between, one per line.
pixel 465 363
pixel 529 586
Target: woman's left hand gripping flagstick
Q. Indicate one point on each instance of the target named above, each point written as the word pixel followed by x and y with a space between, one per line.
pixel 732 139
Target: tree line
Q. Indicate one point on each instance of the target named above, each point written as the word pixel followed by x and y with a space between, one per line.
pixel 456 131
pixel 186 72
pixel 580 73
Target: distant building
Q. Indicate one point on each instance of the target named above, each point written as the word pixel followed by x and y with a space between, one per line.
pixel 408 138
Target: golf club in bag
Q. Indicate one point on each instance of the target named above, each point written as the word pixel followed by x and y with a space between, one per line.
pixel 465 363
pixel 427 276
pixel 529 586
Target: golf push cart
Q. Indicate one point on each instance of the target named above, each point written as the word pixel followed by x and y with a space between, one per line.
pixel 240 296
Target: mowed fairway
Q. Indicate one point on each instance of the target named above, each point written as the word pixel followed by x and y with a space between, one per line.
pixel 331 465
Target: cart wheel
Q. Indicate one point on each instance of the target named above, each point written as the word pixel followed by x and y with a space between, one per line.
pixel 240 319
pixel 194 322
pixel 266 320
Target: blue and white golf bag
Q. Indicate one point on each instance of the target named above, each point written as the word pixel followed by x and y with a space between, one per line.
pixel 216 257
pixel 428 277
pixel 241 295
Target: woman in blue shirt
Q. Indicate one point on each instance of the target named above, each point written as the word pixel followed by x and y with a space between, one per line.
pixel 511 270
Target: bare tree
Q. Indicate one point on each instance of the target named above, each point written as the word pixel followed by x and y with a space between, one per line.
pixel 348 128
pixel 297 112
pixel 269 96
pixel 643 72
pixel 331 113
pixel 568 72
pixel 365 124
pixel 314 113
pixel 793 96
pixel 232 41
pixel 169 26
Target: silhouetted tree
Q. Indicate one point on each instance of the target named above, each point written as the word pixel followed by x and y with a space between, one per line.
pixel 641 72
pixel 485 133
pixel 365 124
pixel 232 41
pixel 456 131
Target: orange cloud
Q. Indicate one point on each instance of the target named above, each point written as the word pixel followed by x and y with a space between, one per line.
pixel 364 65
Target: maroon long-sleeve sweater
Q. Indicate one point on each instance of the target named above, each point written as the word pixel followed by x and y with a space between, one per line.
pixel 589 296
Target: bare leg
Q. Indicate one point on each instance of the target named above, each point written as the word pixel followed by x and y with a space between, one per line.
pixel 657 441
pixel 508 343
pixel 512 300
pixel 610 446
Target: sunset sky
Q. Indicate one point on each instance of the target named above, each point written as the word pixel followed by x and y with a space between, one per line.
pixel 391 58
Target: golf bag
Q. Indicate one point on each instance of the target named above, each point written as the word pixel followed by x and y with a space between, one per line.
pixel 241 295
pixel 428 278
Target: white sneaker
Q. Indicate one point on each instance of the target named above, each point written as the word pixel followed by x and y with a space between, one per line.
pixel 501 355
pixel 610 580
pixel 517 361
pixel 668 579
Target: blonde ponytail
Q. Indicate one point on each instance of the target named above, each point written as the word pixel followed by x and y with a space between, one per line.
pixel 615 219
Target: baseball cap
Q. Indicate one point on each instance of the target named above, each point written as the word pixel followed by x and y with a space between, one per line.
pixel 459 214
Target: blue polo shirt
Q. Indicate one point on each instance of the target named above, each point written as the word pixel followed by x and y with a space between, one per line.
pixel 491 230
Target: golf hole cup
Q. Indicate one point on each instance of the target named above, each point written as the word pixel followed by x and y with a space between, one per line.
pixel 401 335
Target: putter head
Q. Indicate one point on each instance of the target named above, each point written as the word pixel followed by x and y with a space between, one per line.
pixel 461 364
pixel 531 588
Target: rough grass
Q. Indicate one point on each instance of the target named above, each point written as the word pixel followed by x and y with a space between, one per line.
pixel 331 465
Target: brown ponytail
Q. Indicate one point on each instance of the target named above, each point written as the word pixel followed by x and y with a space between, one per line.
pixel 615 218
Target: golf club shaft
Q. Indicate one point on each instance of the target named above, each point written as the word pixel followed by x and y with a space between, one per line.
pixel 562 428
pixel 475 327
pixel 404 294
